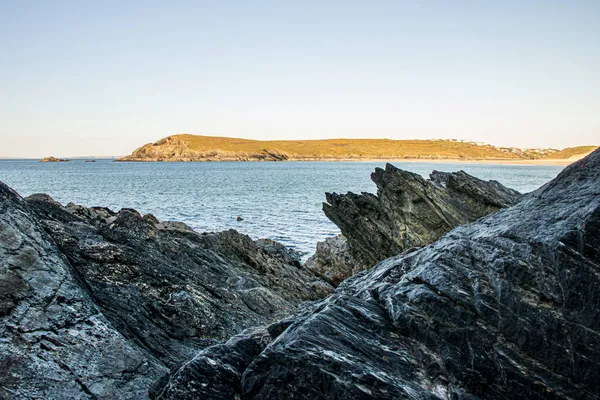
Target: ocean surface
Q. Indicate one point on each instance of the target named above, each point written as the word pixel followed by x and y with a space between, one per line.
pixel 280 201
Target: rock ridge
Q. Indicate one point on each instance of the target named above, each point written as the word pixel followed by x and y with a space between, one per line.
pixel 408 211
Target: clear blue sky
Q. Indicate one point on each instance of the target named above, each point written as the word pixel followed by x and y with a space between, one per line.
pixel 104 77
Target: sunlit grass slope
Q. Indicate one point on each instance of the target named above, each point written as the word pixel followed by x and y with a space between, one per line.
pixel 186 147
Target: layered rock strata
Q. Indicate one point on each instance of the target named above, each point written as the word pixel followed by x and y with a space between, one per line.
pixel 171 289
pixel 97 304
pixel 408 211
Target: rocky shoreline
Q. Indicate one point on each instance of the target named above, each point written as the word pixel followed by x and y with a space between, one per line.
pixel 110 300
pixel 97 304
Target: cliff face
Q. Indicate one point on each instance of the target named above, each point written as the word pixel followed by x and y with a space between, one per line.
pixel 175 149
pixel 505 307
pixel 96 304
pixel 408 211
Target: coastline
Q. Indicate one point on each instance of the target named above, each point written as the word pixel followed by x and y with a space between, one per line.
pixel 486 161
pixel 538 162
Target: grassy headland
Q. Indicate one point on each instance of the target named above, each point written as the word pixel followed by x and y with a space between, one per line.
pixel 211 148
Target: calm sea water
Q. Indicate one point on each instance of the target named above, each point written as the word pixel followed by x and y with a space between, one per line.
pixel 280 201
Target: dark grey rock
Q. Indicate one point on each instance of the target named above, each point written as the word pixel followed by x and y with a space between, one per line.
pixel 54 341
pixel 216 372
pixel 408 211
pixel 503 308
pixel 170 290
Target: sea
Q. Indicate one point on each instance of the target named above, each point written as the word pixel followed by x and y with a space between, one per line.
pixel 276 200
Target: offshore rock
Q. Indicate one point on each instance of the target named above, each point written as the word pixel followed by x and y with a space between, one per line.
pixel 53 159
pixel 505 307
pixel 408 211
pixel 169 289
pixel 54 341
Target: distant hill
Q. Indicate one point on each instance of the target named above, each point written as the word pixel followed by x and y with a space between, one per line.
pixel 570 153
pixel 211 148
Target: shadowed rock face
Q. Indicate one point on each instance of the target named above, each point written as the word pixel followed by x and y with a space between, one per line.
pixel 54 341
pixel 96 304
pixel 505 307
pixel 408 211
pixel 171 290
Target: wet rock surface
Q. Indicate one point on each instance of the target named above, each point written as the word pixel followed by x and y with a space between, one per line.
pixel 408 211
pixel 505 307
pixel 54 341
pixel 169 289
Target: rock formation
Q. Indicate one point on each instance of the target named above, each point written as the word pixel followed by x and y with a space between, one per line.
pixel 408 211
pixel 505 307
pixel 176 149
pixel 55 343
pixel 333 261
pixel 96 304
pixel 169 288
pixel 53 159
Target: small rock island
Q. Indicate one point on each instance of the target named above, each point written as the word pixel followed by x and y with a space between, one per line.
pixel 53 159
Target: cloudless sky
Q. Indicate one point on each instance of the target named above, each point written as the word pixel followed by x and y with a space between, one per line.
pixel 104 77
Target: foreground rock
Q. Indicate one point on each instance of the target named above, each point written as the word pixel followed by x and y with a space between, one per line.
pixel 97 304
pixel 408 211
pixel 506 307
pixel 170 289
pixel 54 341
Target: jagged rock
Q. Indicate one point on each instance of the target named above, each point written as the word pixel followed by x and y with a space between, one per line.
pixel 408 211
pixel 505 307
pixel 54 341
pixel 169 289
pixel 333 261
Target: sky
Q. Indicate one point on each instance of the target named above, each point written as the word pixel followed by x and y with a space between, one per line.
pixel 101 78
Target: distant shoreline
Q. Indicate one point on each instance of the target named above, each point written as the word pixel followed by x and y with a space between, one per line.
pixel 189 148
pixel 391 160
pixel 496 162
